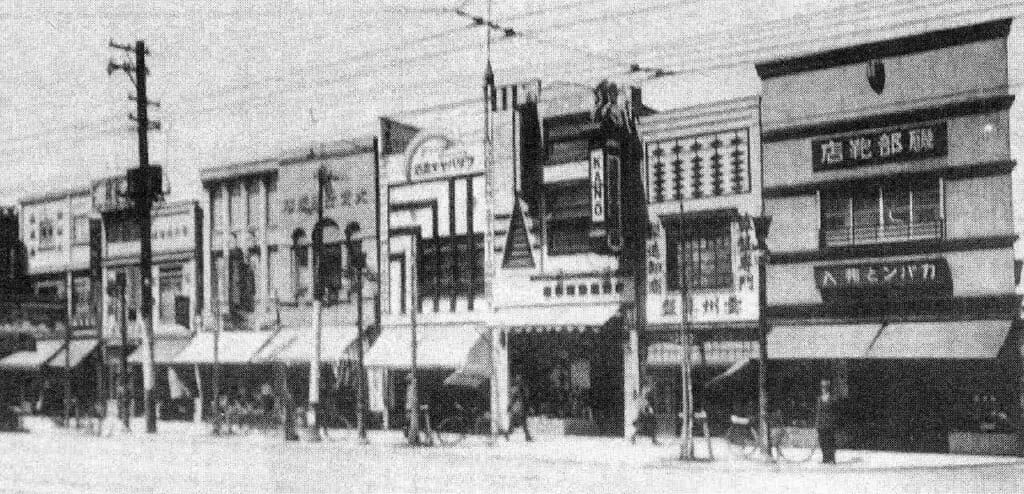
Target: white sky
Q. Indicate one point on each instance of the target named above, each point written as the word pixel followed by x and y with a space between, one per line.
pixel 240 80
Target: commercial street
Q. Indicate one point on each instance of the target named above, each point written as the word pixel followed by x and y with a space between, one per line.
pixel 191 461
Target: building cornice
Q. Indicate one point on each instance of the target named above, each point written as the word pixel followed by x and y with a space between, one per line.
pixel 972 106
pixel 916 247
pixel 887 48
pixel 949 172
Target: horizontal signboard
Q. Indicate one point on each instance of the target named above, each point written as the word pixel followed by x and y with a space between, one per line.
pixel 880 279
pixel 879 146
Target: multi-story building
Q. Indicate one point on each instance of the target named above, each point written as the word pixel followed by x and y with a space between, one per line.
pixel 516 249
pixel 263 220
pixel 888 178
pixel 703 184
pixel 55 232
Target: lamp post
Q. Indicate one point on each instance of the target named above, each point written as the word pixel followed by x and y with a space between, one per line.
pixel 761 225
pixel 357 262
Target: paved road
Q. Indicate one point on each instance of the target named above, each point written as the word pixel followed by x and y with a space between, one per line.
pixel 62 462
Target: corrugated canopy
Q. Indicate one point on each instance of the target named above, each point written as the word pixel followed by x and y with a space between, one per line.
pixel 940 340
pixel 32 360
pixel 236 347
pixel 444 347
pixel 556 317
pixel 837 341
pixel 296 345
pixel 164 351
pixel 79 350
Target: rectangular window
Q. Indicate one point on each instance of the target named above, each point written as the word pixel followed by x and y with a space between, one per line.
pixel 171 286
pixel 251 201
pixel 237 205
pixel 81 301
pixel 273 208
pixel 80 230
pixel 568 213
pixel 300 272
pixel 706 254
pixel 437 276
pixel 122 228
pixel 568 151
pixel 888 213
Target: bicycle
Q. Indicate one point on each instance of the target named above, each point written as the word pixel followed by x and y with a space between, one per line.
pixel 466 421
pixel 744 440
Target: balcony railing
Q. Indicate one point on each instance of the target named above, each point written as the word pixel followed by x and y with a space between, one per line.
pixel 894 232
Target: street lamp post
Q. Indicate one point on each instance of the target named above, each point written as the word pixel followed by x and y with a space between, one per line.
pixel 357 261
pixel 761 226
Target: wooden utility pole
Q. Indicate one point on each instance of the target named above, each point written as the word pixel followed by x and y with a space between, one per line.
pixel 144 185
pixel 414 406
pixel 686 370
pixel 356 263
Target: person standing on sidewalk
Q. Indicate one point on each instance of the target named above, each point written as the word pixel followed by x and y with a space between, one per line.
pixel 827 421
pixel 517 409
pixel 646 423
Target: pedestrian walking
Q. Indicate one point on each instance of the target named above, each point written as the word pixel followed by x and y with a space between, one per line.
pixel 646 423
pixel 517 409
pixel 827 421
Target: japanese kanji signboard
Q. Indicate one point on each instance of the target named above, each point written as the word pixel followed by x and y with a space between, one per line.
pixel 877 147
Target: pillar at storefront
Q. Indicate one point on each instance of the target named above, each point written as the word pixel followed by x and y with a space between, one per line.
pixel 499 392
pixel 630 379
pixel 263 291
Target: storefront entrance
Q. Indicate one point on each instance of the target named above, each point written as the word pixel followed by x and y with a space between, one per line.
pixel 573 380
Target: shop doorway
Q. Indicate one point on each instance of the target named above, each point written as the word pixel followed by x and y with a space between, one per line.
pixel 573 380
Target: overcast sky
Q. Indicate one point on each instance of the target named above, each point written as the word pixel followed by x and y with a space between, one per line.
pixel 240 80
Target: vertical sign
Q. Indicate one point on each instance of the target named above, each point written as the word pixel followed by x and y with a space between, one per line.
pixel 597 186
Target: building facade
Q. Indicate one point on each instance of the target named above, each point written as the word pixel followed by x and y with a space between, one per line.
pixel 703 183
pixel 888 178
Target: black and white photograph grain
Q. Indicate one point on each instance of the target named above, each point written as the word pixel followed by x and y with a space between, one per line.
pixel 511 246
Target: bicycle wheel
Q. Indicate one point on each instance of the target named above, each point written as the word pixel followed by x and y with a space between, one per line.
pixel 451 431
pixel 482 428
pixel 741 439
pixel 792 448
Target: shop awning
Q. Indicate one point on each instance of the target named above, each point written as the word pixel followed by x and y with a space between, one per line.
pixel 477 368
pixel 940 340
pixel 567 317
pixel 717 353
pixel 438 347
pixel 296 345
pixel 236 347
pixel 164 351
pixel 79 350
pixel 837 341
pixel 32 360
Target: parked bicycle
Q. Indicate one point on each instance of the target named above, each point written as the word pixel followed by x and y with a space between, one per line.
pixel 465 422
pixel 744 439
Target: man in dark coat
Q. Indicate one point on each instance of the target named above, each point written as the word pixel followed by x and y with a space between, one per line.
pixel 827 421
pixel 517 409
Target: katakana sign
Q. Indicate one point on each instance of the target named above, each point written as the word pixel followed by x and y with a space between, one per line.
pixel 878 279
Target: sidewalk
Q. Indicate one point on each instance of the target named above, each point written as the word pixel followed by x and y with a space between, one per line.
pixel 561 449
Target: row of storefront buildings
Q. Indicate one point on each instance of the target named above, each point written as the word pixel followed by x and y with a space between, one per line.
pixel 567 235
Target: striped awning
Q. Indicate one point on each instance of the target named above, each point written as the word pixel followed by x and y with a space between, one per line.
pixel 235 347
pixel 32 359
pixel 438 347
pixel 164 351
pixel 295 345
pixel 75 354
pixel 940 340
pixel 555 318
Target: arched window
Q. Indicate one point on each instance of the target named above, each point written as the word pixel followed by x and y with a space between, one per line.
pixel 331 265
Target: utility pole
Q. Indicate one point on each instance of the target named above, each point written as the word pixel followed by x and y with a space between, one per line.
pixel 122 302
pixel 414 407
pixel 144 184
pixel 357 261
pixel 323 178
pixel 686 371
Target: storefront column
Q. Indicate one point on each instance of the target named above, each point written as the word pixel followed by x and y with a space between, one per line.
pixel 499 388
pixel 207 281
pixel 631 380
pixel 264 270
